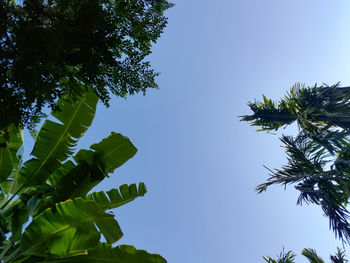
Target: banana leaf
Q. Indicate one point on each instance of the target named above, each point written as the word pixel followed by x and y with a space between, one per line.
pixel 116 198
pixel 11 141
pixel 68 229
pixel 71 181
pixel 113 151
pixel 56 140
pixel 105 253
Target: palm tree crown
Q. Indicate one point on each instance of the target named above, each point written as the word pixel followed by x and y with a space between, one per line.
pixel 319 156
pixel 310 254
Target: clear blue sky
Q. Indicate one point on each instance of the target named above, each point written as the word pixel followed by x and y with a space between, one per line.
pixel 200 163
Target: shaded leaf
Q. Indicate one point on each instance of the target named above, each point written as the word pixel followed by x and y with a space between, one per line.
pixel 11 140
pixel 105 253
pixel 114 151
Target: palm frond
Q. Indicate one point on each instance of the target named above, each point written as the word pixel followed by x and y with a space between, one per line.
pixel 312 256
pixel 302 164
pixel 339 257
pixel 317 184
pixel 314 108
pixel 283 257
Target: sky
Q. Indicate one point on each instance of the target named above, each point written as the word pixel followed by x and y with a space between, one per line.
pixel 198 161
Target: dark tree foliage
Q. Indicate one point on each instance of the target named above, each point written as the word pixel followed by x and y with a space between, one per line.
pixel 55 48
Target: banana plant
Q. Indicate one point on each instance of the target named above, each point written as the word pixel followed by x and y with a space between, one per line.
pixel 47 210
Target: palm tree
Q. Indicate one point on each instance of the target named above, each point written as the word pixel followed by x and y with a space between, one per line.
pixel 310 254
pixel 339 257
pixel 319 156
pixel 283 257
pixel 313 108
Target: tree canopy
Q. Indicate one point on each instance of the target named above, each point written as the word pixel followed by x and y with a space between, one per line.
pixel 51 48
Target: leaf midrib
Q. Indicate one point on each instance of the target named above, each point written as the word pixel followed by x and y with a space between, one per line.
pixel 62 229
pixel 116 204
pixel 58 141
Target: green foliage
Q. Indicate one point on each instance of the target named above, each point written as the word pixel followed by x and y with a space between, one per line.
pixel 115 197
pixel 11 140
pixel 105 253
pixel 319 156
pixel 51 48
pixel 46 211
pixel 339 257
pixel 68 229
pixel 310 255
pixel 283 257
pixel 56 141
pixel 314 108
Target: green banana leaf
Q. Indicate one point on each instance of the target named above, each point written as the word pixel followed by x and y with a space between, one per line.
pixel 71 181
pixel 77 182
pixel 114 151
pixel 116 198
pixel 18 218
pixel 56 141
pixel 68 229
pixel 11 140
pixel 105 253
pixel 56 176
pixel 120 149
